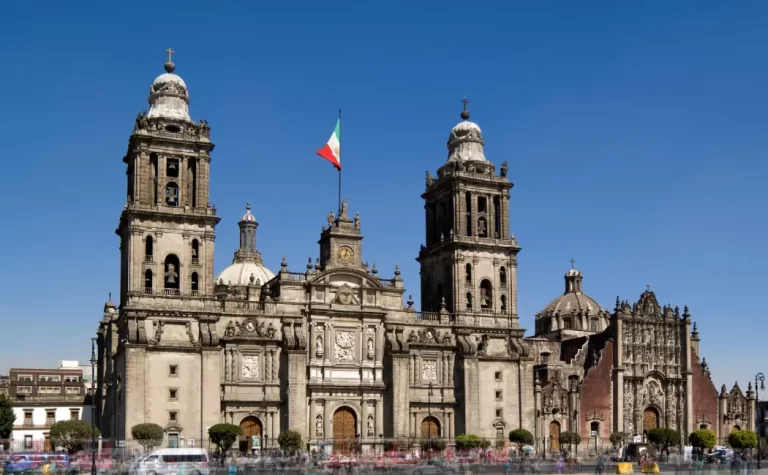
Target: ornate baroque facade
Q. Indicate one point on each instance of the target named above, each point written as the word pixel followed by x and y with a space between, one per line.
pixel 334 353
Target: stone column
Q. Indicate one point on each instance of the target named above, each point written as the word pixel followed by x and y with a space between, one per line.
pixel 328 331
pixel 311 343
pixel 327 419
pixel 268 425
pixel 312 419
pixel 297 391
pixel 618 373
pixel 471 395
pixel 537 409
pixel 363 419
pixel 688 373
pixel 275 424
pixel 379 426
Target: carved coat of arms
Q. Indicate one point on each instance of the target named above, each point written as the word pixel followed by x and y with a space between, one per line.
pixel 345 345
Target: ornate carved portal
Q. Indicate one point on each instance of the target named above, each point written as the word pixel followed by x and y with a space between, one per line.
pixel 554 436
pixel 344 430
pixel 430 427
pixel 650 419
pixel 249 427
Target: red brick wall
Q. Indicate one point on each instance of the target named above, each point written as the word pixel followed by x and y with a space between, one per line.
pixel 596 396
pixel 704 396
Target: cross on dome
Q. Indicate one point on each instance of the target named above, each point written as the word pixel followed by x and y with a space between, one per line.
pixel 573 263
pixel 465 112
pixel 169 66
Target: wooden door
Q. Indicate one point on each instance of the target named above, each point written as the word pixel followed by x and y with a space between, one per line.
pixel 554 436
pixel 430 428
pixel 250 426
pixel 650 419
pixel 344 430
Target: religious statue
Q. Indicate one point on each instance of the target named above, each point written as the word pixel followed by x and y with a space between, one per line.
pixel 357 220
pixel 343 213
pixel 330 218
pixel 370 426
pixel 504 168
pixel 319 346
pixel 412 338
pixel 171 274
pixel 370 348
pixel 430 179
pixel 319 426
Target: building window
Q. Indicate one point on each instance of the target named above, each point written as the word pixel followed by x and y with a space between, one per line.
pixel 48 390
pixel 50 417
pixel 172 416
pixel 149 249
pixel 172 167
pixel 72 391
pixel 25 378
pixel 27 441
pixel 171 278
pixel 173 370
pixel 593 325
pixel 503 304
pixel 24 390
pixel 468 273
pixel 497 375
pixel 173 441
pixel 172 194
pixel 49 379
pixel 503 275
pixel 499 433
pixel 469 301
pixel 148 282
pixel 594 428
pixel 468 212
pixel 71 379
pixel 195 252
pixel 172 394
pixel 498 395
pixel 74 414
pixel 544 358
pixel 195 283
pixel 486 294
pixel 567 323
pixel 27 418
pixel 499 413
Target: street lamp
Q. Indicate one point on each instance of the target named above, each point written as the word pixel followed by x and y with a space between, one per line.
pixel 429 425
pixel 93 406
pixel 759 378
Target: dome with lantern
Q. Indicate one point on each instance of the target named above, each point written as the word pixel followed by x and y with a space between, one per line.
pixel 247 267
pixel 573 310
pixel 168 95
pixel 465 144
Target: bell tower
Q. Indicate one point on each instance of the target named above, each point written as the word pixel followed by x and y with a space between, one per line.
pixel 167 226
pixel 470 259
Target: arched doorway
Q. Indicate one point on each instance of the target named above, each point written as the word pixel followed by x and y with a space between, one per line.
pixel 430 428
pixel 344 430
pixel 250 427
pixel 650 419
pixel 554 436
pixel 735 428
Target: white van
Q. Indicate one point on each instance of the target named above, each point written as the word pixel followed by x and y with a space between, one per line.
pixel 173 462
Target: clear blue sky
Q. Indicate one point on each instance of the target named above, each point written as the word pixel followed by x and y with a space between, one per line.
pixel 635 134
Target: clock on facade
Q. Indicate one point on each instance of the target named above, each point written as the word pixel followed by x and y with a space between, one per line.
pixel 345 254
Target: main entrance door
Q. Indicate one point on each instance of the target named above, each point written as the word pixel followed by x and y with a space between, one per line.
pixel 650 419
pixel 430 427
pixel 344 430
pixel 250 427
pixel 554 436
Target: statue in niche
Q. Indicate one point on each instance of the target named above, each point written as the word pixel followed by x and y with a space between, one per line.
pixel 171 274
pixel 319 346
pixel 319 426
pixel 370 348
pixel 370 426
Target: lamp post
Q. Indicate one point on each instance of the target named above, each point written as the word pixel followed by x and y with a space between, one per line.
pixel 759 378
pixel 93 406
pixel 429 424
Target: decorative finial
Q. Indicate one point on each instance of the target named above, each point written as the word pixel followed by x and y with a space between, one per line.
pixel 169 66
pixel 410 301
pixel 110 296
pixel 247 205
pixel 465 112
pixel 442 304
pixel 573 263
pixel 284 263
pixel 374 271
pixel 309 264
pixel 252 278
pixel 397 269
pixel 647 288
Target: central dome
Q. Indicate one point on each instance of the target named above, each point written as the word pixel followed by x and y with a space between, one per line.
pixel 245 273
pixel 574 310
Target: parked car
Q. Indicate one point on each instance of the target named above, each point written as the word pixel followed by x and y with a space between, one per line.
pixel 172 462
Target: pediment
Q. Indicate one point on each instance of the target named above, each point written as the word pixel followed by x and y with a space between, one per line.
pixel 345 276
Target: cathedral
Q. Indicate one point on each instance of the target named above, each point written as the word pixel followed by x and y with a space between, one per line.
pixel 336 351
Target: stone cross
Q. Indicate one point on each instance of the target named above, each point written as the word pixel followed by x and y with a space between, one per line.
pixel 648 288
pixel 465 102
pixel 170 54
pixel 573 262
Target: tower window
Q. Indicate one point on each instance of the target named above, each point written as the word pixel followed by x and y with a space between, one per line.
pixel 482 227
pixel 153 175
pixel 468 213
pixel 148 281
pixel 192 179
pixel 544 358
pixel 171 276
pixel 486 294
pixel 497 217
pixel 503 275
pixel 172 194
pixel 172 167
pixel 195 283
pixel 469 301
pixel 149 249
pixel 468 272
pixel 195 251
pixel 129 174
pixel 567 323
pixel 503 304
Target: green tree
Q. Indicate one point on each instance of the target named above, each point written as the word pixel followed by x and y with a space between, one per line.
pixel 148 435
pixel 521 437
pixel 73 435
pixel 618 438
pixel 663 438
pixel 290 440
pixel 7 419
pixel 471 441
pixel 570 439
pixel 223 435
pixel 702 439
pixel 742 440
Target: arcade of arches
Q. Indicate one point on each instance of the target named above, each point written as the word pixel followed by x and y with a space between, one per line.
pixel 250 426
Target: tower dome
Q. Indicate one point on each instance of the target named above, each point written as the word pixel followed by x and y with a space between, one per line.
pixel 168 95
pixel 573 310
pixel 247 266
pixel 466 140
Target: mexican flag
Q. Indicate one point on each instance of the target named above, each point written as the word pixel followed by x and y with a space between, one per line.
pixel 332 150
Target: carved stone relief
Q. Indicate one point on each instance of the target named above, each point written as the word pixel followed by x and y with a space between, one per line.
pixel 429 370
pixel 345 346
pixel 250 366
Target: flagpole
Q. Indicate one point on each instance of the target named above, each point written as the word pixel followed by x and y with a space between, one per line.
pixel 339 209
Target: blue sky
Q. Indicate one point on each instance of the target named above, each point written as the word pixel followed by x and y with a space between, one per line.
pixel 634 132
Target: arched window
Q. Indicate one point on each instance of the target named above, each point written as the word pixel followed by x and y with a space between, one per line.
pixel 172 194
pixel 567 324
pixel 149 249
pixel 469 301
pixel 148 281
pixel 486 294
pixel 503 275
pixel 482 227
pixel 195 251
pixel 195 283
pixel 171 277
pixel 594 325
pixel 468 272
pixel 153 175
pixel 503 304
pixel 594 429
pixel 468 212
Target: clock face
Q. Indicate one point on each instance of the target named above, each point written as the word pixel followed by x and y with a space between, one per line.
pixel 346 254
